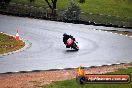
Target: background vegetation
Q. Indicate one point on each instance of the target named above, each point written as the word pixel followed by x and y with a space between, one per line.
pixel 122 8
pixel 116 13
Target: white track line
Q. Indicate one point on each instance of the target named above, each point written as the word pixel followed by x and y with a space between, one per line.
pixel 112 32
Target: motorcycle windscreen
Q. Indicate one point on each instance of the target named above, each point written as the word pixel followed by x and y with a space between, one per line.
pixel 69 41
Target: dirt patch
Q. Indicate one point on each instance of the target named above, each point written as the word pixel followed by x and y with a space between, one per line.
pixel 36 79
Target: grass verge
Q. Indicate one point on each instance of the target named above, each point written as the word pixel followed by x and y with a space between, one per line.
pixel 9 43
pixel 73 83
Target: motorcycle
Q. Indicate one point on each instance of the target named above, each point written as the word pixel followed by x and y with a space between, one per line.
pixel 73 44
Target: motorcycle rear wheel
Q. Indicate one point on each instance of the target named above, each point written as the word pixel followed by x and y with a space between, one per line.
pixel 75 47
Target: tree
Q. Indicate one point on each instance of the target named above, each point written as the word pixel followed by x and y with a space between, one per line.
pixel 52 6
pixel 72 12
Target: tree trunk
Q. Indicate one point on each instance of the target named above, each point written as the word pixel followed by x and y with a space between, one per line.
pixel 52 7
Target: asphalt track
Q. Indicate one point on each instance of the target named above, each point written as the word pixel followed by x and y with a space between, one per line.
pixel 49 52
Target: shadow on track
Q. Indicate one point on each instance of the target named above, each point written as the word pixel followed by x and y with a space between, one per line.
pixel 71 51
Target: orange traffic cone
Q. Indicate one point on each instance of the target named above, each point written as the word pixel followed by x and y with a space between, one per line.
pixel 17 37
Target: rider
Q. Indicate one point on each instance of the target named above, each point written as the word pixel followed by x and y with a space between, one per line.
pixel 65 38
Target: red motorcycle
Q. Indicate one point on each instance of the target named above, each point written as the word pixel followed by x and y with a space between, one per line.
pixel 72 43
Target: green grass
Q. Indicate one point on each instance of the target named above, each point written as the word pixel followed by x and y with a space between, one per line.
pixel 122 8
pixel 73 84
pixel 120 11
pixel 9 43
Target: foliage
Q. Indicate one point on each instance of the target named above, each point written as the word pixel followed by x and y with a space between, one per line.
pixel 31 1
pixel 82 1
pixel 6 1
pixel 122 8
pixel 72 12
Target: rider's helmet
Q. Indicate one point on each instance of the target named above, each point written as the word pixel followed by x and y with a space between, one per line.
pixel 64 34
